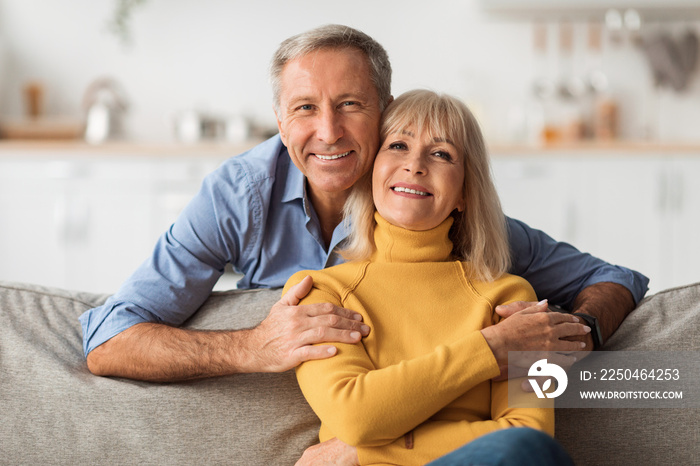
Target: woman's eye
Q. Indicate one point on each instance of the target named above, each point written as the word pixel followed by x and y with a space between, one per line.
pixel 397 146
pixel 443 155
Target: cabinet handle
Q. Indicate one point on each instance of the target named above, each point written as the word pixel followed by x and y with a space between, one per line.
pixel 72 219
pixel 678 192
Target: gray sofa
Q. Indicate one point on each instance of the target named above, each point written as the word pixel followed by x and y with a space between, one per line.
pixel 55 412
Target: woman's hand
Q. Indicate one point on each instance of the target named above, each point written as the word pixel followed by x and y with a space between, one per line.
pixel 530 327
pixel 333 452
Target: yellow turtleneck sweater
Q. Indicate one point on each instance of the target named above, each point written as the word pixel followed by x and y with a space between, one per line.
pixel 419 386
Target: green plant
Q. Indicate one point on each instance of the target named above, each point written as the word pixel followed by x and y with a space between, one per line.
pixel 119 23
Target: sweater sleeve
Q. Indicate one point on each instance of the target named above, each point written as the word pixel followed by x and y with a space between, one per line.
pixel 365 406
pixel 434 439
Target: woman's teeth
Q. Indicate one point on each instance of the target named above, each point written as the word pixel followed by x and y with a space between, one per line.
pixel 410 191
pixel 332 157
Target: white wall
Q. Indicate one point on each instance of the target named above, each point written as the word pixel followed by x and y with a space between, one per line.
pixel 214 54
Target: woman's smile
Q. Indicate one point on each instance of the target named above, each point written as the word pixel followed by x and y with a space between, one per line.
pixel 418 180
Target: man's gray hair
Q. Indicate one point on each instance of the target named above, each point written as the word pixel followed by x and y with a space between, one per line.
pixel 333 36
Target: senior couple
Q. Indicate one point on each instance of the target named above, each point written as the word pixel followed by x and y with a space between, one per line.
pixel 401 327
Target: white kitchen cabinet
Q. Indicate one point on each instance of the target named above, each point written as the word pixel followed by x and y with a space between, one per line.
pixel 620 212
pixel 85 219
pixel 29 236
pixel 537 190
pixel 637 210
pixel 682 221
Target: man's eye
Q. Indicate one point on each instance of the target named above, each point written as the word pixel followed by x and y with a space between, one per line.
pixel 348 104
pixel 304 107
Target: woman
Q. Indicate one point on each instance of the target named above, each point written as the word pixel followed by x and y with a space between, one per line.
pixel 428 255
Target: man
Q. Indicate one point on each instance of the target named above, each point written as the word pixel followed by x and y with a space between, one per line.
pixel 278 209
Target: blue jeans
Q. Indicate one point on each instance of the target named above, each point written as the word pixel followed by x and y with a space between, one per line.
pixel 519 446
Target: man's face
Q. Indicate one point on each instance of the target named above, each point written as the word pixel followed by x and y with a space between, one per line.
pixel 329 118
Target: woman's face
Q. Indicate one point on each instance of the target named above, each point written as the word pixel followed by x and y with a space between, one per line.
pixel 417 181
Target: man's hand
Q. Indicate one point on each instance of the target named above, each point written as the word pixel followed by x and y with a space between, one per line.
pixel 160 353
pixel 331 452
pixel 286 337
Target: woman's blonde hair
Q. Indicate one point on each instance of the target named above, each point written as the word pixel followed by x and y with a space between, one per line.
pixel 479 233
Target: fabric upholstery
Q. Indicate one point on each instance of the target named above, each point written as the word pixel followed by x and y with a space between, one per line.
pixel 668 320
pixel 55 412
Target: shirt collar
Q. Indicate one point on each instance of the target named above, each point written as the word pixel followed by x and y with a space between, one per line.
pixel 294 185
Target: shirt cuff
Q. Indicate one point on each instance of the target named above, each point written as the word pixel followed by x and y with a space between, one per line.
pixel 105 322
pixel 634 281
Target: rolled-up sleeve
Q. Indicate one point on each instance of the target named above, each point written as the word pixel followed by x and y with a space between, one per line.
pixel 558 271
pixel 186 262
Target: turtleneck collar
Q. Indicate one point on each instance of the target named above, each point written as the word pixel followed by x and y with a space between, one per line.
pixel 396 244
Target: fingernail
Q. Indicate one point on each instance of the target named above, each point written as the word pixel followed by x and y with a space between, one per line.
pixel 355 335
pixel 587 329
pixel 577 320
pixel 364 329
pixel 357 317
pixel 542 302
pixel 583 345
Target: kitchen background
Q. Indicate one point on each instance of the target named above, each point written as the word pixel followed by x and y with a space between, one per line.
pixel 591 109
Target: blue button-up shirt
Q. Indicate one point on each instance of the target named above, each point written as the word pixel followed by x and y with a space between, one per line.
pixel 253 213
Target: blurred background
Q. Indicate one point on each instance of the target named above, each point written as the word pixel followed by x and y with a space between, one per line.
pixel 112 111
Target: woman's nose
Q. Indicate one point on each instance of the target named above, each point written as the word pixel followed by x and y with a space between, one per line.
pixel 329 127
pixel 414 163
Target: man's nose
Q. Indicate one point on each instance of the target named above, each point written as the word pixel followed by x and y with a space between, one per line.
pixel 329 127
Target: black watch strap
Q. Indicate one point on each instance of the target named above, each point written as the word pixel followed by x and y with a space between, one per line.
pixel 592 322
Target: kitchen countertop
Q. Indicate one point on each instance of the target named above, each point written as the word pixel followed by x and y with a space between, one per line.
pixel 10 147
pixel 597 148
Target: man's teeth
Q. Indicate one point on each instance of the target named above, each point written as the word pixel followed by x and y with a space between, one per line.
pixel 332 157
pixel 410 191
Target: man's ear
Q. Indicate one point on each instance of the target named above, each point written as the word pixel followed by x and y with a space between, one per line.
pixel 279 125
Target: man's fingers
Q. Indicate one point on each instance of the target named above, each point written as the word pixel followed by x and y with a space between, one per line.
pixel 297 292
pixel 315 310
pixel 310 353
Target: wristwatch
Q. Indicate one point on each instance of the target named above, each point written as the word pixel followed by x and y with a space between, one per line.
pixel 595 328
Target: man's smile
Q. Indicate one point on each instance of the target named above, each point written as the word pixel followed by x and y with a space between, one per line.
pixel 332 157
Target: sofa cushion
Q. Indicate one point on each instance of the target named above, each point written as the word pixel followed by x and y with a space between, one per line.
pixel 55 412
pixel 669 320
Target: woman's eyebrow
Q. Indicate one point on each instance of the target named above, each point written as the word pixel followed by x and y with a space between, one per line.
pixel 447 140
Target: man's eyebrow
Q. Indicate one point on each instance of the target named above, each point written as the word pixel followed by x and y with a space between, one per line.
pixel 353 96
pixel 297 99
pixel 308 98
